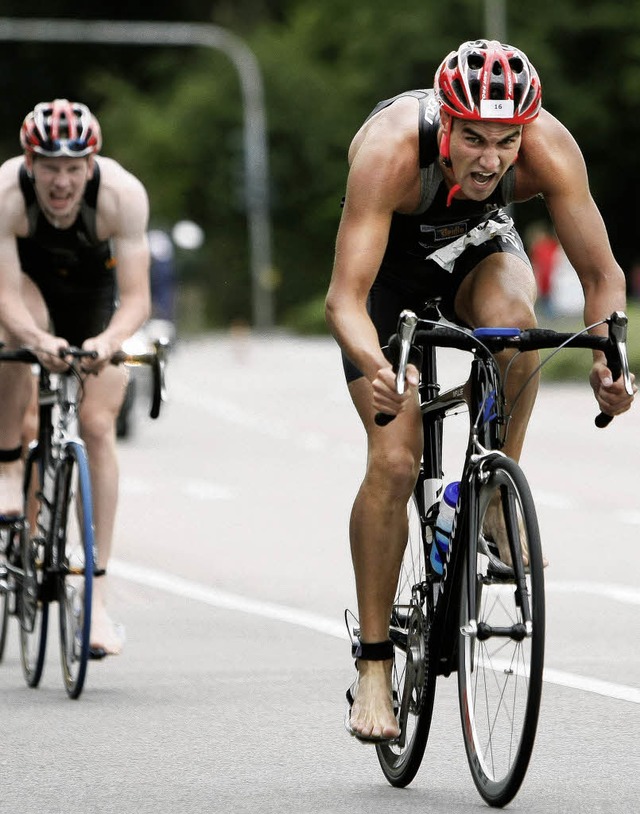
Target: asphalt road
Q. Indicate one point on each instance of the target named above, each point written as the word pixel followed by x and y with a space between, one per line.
pixel 231 574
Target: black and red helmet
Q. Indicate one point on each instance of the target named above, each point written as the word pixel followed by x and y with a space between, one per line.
pixel 61 128
pixel 485 80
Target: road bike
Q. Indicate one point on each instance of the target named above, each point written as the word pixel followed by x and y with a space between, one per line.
pixel 480 618
pixel 48 554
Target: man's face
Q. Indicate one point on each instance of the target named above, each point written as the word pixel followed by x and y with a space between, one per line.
pixel 481 153
pixel 59 184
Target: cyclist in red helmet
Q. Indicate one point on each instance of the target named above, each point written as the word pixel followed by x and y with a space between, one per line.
pixel 73 242
pixel 431 174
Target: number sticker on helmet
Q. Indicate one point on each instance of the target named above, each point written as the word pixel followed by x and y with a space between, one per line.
pixel 496 108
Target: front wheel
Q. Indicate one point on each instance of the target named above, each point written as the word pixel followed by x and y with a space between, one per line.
pixel 414 676
pixel 74 541
pixel 501 645
pixel 32 593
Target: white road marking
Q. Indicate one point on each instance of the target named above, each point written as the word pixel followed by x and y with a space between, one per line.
pixel 619 593
pixel 187 589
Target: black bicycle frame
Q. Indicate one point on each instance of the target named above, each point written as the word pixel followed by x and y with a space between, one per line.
pixel 486 411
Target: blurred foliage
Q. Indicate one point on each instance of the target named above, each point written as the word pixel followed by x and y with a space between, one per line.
pixel 575 364
pixel 174 115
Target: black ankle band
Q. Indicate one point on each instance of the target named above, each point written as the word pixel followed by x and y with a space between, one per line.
pixel 99 572
pixel 8 455
pixel 373 651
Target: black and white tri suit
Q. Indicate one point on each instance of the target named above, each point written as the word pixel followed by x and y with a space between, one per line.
pixel 73 268
pixel 430 251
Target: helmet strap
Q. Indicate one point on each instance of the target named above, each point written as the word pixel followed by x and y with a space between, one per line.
pixel 445 142
pixel 445 157
pixel 455 188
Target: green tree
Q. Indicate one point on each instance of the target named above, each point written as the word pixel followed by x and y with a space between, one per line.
pixel 173 115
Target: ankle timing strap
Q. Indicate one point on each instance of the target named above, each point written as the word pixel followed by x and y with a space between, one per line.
pixel 372 651
pixel 8 455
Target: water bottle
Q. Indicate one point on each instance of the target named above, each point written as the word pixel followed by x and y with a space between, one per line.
pixel 444 521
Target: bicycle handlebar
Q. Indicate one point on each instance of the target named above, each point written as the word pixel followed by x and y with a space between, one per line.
pixel 493 340
pixel 155 359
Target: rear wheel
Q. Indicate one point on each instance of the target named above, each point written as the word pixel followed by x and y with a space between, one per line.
pixel 501 655
pixel 414 677
pixel 74 540
pixel 32 599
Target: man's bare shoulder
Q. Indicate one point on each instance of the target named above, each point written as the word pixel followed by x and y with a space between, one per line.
pixel 12 207
pixel 122 198
pixel 549 157
pixel 393 131
pixel 114 177
pixel 9 174
pixel 384 160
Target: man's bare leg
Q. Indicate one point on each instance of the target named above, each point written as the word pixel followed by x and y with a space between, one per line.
pixel 378 533
pixel 16 393
pixel 103 396
pixel 501 291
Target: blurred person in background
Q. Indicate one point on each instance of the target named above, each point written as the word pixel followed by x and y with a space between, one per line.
pixel 74 270
pixel 542 248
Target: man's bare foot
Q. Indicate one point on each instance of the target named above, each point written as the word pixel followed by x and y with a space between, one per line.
pixel 372 716
pixel 107 638
pixel 11 474
pixel 494 528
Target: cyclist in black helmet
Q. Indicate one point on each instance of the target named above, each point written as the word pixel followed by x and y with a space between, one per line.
pixel 74 270
pixel 430 174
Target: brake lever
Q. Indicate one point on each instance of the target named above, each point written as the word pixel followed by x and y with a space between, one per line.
pixel 618 334
pixel 407 324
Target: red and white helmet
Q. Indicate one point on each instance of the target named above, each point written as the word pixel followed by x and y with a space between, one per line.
pixel 485 80
pixel 61 128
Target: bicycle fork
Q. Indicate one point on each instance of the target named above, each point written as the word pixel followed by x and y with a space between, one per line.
pixel 519 630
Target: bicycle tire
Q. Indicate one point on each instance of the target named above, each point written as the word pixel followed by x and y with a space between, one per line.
pixel 32 598
pixel 500 677
pixel 74 540
pixel 414 675
pixel 4 605
pixel 10 539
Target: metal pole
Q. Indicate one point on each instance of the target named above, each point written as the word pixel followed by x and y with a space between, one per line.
pixel 495 19
pixel 255 139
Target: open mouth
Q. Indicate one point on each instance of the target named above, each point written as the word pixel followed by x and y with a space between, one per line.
pixel 59 200
pixel 483 179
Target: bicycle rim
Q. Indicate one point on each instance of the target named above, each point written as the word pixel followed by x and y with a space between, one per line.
pixel 500 677
pixel 4 604
pixel 413 676
pixel 75 545
pixel 32 602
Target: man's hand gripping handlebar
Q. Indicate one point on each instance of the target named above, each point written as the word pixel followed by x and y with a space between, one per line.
pixel 407 324
pixel 614 346
pixel 618 362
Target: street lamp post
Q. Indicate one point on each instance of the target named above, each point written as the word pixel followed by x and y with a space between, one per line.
pixel 255 139
pixel 495 19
